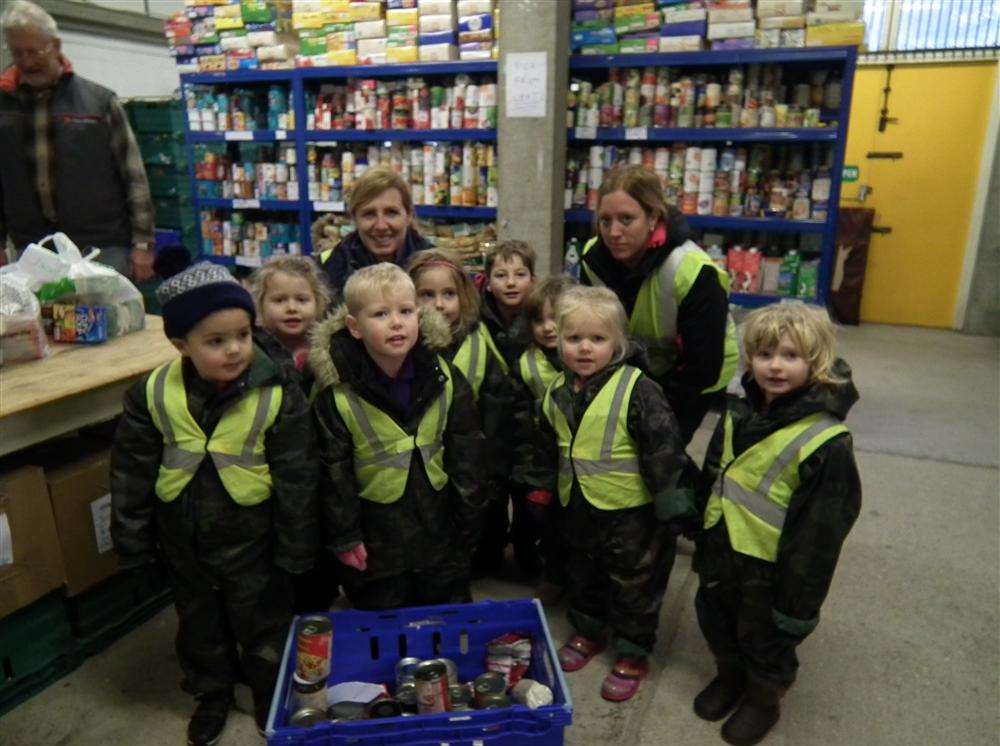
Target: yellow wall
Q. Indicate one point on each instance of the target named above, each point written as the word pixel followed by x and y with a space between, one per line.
pixel 927 196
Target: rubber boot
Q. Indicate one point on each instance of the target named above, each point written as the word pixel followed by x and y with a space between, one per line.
pixel 719 698
pixel 757 713
pixel 209 718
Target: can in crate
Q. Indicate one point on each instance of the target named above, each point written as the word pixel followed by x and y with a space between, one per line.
pixel 461 697
pixel 451 670
pixel 493 702
pixel 313 646
pixel 406 695
pixel 341 711
pixel 309 694
pixel 431 678
pixel 307 717
pixel 387 707
pixel 404 670
pixel 488 685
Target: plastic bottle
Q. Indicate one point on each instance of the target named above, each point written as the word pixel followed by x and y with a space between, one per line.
pixel 571 259
pixel 788 278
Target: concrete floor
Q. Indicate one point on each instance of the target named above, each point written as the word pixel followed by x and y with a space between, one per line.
pixel 907 652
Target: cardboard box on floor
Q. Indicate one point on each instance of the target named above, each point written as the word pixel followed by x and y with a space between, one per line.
pixel 31 561
pixel 81 503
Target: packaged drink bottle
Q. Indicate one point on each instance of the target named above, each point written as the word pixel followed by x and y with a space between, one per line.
pixel 788 278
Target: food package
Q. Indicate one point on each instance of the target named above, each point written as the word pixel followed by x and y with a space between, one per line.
pixel 681 43
pixel 509 655
pixel 438 52
pixel 770 8
pixel 21 333
pixel 731 30
pixel 835 34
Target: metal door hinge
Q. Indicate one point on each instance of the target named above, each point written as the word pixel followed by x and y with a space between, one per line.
pixel 881 229
pixel 892 155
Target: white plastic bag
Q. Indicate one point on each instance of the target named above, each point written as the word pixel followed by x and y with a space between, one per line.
pixel 21 334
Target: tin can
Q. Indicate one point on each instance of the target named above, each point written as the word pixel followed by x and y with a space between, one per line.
pixel 309 694
pixel 341 711
pixel 461 696
pixel 431 678
pixel 386 707
pixel 312 648
pixel 451 669
pixel 404 670
pixel 493 702
pixel 307 717
pixel 406 695
pixel 488 685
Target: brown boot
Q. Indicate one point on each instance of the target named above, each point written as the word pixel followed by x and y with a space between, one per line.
pixel 718 699
pixel 757 713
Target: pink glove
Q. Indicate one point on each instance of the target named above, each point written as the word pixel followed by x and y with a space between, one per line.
pixel 356 558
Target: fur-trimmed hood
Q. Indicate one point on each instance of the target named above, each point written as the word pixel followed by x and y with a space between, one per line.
pixel 435 336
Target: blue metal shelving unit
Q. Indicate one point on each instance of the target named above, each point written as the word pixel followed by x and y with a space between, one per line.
pixel 297 80
pixel 843 59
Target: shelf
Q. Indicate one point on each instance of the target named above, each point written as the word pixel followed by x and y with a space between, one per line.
pixel 640 135
pixel 396 71
pixel 487 135
pixel 241 136
pixel 226 261
pixel 239 76
pixel 712 222
pixel 721 58
pixel 270 205
pixel 457 213
pixel 756 300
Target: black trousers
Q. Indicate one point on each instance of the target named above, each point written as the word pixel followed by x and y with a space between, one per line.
pixel 414 588
pixel 691 411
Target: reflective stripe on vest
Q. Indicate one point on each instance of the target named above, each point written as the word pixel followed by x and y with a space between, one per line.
pixel 383 450
pixel 236 446
pixel 536 371
pixel 654 316
pixel 601 454
pixel 471 357
pixel 753 490
pixel 324 255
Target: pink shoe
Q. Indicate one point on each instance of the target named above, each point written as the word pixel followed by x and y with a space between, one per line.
pixel 578 652
pixel 623 681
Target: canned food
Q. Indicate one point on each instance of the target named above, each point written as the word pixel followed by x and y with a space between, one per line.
pixel 452 670
pixel 493 702
pixel 404 670
pixel 384 708
pixel 460 695
pixel 313 646
pixel 487 685
pixel 406 695
pixel 307 717
pixel 309 694
pixel 432 687
pixel 340 711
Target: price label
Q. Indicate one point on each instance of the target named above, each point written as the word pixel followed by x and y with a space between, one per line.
pixel 246 204
pixel 635 133
pixel 328 206
pixel 249 261
pixel 585 133
pixel 239 135
pixel 280 135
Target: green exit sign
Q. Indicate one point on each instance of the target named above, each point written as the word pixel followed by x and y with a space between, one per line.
pixel 850 174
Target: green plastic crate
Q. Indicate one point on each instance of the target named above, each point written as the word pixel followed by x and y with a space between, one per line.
pixel 36 648
pixel 150 116
pixel 121 603
pixel 175 212
pixel 164 150
pixel 166 181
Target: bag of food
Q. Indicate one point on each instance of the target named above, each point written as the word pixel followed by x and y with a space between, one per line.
pixel 21 334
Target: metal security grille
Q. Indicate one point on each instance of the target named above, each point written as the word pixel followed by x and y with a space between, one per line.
pixel 931 29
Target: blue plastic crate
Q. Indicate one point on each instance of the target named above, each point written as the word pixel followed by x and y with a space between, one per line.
pixel 367 645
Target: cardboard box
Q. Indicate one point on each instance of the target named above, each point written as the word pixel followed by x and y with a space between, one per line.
pixel 835 35
pixel 80 493
pixel 769 8
pixel 681 43
pixel 851 8
pixel 31 562
pixel 731 30
pixel 730 15
pixel 817 18
pixel 782 22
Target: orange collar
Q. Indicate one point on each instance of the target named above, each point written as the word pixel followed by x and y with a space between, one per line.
pixel 11 77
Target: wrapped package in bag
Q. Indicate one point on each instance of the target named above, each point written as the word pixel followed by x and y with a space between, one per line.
pixel 21 334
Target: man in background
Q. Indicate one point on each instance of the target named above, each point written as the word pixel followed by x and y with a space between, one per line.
pixel 69 160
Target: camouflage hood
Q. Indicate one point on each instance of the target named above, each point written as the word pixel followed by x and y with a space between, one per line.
pixel 435 336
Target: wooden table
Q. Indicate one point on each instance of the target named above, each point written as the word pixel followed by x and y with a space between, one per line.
pixel 76 385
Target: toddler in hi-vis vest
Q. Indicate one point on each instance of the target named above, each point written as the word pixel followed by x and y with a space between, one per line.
pixel 401 451
pixel 780 493
pixel 214 470
pixel 619 471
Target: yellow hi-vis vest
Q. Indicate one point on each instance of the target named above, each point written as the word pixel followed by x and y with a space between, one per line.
pixel 471 357
pixel 654 316
pixel 324 255
pixel 536 371
pixel 753 490
pixel 601 454
pixel 236 445
pixel 383 450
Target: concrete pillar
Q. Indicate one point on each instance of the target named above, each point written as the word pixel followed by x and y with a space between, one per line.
pixel 532 151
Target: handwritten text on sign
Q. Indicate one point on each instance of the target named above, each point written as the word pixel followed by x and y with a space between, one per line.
pixel 526 74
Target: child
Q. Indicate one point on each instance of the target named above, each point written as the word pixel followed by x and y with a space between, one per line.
pixel 400 446
pixel 213 467
pixel 768 552
pixel 621 467
pixel 290 294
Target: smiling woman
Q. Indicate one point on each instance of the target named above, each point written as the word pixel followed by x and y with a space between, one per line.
pixel 382 209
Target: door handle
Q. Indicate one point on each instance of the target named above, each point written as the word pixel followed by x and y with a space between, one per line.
pixel 892 155
pixel 881 229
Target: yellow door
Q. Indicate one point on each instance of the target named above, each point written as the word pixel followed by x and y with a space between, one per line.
pixel 926 196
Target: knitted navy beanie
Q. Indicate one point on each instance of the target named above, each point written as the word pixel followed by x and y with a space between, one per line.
pixel 198 291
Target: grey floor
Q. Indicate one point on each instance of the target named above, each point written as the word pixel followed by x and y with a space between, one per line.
pixel 907 652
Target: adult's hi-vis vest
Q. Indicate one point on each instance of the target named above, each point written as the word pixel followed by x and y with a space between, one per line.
pixel 536 371
pixel 383 450
pixel 601 455
pixel 753 490
pixel 654 316
pixel 471 357
pixel 236 446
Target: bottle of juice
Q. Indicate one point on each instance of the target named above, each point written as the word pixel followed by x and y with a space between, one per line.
pixel 788 278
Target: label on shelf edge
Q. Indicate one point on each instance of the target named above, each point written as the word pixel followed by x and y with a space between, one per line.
pixel 280 134
pixel 328 206
pixel 239 135
pixel 636 133
pixel 246 204
pixel 249 261
pixel 585 133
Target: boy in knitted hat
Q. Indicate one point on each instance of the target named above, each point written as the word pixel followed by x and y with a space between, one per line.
pixel 213 469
